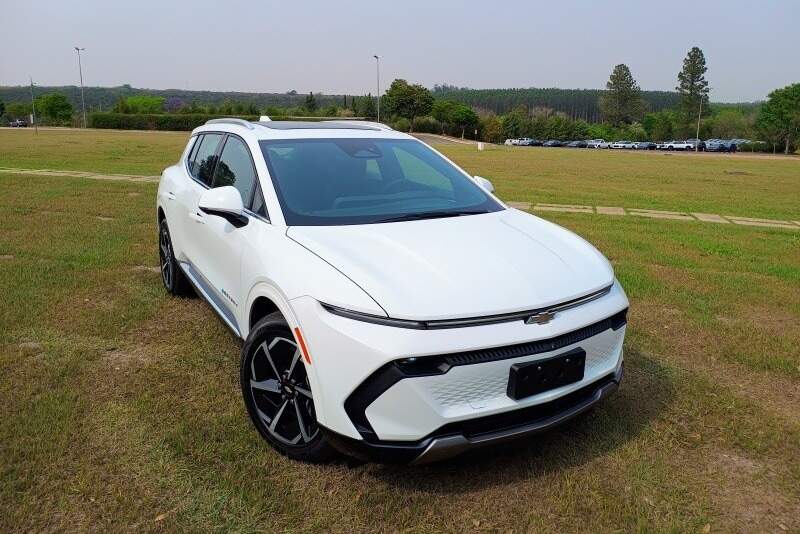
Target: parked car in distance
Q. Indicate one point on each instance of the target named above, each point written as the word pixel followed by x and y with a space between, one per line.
pixel 18 123
pixel 577 144
pixel 676 145
pixel 696 144
pixel 596 143
pixel 553 142
pixel 720 145
pixel 527 141
pixel 511 142
pixel 622 144
pixel 380 315
pixel 645 145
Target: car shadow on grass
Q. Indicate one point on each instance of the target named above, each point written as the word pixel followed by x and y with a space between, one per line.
pixel 646 391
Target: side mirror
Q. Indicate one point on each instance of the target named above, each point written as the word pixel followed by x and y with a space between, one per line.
pixel 484 183
pixel 225 202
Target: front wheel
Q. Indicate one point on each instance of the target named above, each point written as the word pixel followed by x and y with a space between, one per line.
pixel 277 392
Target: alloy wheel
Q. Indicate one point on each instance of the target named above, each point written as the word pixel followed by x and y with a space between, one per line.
pixel 280 392
pixel 165 256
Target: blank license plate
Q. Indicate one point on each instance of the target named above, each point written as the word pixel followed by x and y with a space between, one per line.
pixel 530 378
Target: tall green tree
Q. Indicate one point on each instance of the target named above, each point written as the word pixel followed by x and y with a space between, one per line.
pixel 310 104
pixel 18 110
pixel 54 107
pixel 692 84
pixel 2 108
pixel 622 103
pixel 516 123
pixel 406 100
pixel 463 117
pixel 730 124
pixel 779 117
pixel 442 111
pixel 364 106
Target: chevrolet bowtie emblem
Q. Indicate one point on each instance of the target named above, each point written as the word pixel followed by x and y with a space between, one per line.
pixel 541 318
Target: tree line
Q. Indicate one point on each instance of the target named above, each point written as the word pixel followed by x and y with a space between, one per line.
pixel 622 110
pixel 573 103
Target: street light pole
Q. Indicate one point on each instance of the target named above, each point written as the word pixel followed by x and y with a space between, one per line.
pixel 80 71
pixel 33 110
pixel 378 94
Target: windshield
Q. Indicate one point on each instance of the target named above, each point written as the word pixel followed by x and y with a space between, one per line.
pixel 362 181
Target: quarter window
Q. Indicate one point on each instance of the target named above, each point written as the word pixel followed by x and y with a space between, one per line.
pixel 205 157
pixel 235 167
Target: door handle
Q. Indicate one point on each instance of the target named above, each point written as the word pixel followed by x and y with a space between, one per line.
pixel 196 217
pixel 169 195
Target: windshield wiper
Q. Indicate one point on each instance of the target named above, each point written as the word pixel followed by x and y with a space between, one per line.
pixel 430 215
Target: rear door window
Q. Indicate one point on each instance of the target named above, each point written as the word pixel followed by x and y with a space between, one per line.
pixel 205 157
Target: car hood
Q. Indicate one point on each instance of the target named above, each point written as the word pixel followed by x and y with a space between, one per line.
pixel 461 267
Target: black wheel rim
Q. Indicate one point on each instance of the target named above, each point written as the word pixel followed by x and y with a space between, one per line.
pixel 165 256
pixel 281 393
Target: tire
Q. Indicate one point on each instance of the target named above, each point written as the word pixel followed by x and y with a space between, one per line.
pixel 278 395
pixel 172 276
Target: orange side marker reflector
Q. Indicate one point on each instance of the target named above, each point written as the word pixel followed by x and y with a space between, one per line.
pixel 302 343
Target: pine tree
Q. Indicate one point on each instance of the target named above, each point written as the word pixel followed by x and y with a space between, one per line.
pixel 692 84
pixel 622 103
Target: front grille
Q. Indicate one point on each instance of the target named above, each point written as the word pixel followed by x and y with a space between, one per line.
pixel 427 365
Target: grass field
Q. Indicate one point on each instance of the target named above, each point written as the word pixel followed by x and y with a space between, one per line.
pixel 120 408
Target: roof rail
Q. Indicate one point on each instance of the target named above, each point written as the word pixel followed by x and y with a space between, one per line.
pixel 378 125
pixel 231 120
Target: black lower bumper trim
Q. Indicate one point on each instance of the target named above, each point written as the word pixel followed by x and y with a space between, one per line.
pixel 458 437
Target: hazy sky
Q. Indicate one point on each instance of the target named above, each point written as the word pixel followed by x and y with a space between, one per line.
pixel 751 46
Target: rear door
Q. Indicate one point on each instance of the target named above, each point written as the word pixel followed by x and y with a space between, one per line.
pixel 199 169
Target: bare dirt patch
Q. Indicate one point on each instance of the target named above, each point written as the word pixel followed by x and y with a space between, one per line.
pixel 30 346
pixel 699 350
pixel 103 218
pixel 6 256
pixel 145 269
pixel 134 355
pixel 747 497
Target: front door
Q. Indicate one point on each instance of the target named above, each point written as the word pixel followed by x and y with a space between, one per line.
pixel 219 261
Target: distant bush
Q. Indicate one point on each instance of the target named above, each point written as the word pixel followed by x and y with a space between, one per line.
pixel 166 121
pixel 427 125
pixel 151 121
pixel 401 125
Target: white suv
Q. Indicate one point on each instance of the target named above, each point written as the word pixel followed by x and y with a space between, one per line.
pixel 391 307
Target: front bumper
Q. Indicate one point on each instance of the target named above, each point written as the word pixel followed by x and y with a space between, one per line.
pixel 473 434
pixel 365 393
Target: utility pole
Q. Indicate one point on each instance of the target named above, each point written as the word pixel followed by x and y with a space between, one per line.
pixel 33 110
pixel 378 95
pixel 80 71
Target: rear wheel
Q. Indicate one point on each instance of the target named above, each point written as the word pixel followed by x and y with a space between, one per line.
pixel 172 275
pixel 278 394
